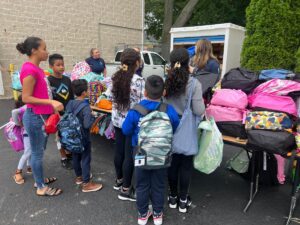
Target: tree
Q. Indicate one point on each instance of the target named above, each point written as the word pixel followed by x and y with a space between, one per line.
pixel 297 69
pixel 272 35
pixel 190 13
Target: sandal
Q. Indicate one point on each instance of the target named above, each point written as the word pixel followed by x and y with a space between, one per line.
pixel 47 180
pixel 18 177
pixel 50 192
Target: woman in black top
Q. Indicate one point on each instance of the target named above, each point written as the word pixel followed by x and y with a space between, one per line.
pixel 96 63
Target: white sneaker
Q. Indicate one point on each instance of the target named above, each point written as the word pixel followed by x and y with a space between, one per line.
pixel 143 219
pixel 158 218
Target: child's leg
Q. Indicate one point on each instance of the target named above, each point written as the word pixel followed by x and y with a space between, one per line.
pixel 86 163
pixel 158 186
pixel 143 184
pixel 185 175
pixel 128 166
pixel 77 164
pixel 119 152
pixel 173 174
pixel 27 152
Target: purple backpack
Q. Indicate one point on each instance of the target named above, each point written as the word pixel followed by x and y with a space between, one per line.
pixel 14 135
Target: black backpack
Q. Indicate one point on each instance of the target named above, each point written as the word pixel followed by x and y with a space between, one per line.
pixel 239 78
pixel 208 81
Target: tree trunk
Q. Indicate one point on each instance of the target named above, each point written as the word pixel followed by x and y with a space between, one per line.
pixel 186 13
pixel 168 20
pixel 182 19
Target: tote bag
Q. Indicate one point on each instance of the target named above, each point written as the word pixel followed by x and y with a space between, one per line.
pixel 185 139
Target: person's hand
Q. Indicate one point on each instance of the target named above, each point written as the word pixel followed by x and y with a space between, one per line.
pixel 57 106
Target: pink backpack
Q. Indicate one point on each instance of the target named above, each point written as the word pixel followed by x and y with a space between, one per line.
pixel 80 69
pixel 273 103
pixel 14 135
pixel 230 98
pixel 277 87
pixel 225 114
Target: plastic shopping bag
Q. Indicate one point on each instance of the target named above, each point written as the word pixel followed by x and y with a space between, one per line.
pixel 211 146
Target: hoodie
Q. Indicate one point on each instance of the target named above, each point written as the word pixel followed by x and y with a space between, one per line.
pixel 131 123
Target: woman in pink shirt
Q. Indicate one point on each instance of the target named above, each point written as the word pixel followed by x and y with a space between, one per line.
pixel 39 107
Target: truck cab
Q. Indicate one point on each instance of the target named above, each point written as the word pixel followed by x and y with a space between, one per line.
pixel 154 64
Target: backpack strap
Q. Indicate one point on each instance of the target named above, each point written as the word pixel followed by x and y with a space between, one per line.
pixel 162 107
pixel 141 109
pixel 80 107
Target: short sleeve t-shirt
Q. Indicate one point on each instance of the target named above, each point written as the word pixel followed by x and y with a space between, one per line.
pixel 61 89
pixel 40 88
pixel 97 65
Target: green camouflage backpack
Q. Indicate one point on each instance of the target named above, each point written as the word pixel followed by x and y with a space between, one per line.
pixel 155 138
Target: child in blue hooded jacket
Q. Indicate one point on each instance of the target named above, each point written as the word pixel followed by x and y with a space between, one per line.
pixel 150 183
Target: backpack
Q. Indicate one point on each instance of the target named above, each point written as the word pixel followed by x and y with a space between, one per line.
pixel 80 69
pixel 208 81
pixel 225 114
pixel 70 130
pixel 15 81
pixel 267 102
pixel 276 142
pixel 14 135
pixel 276 73
pixel 278 87
pixel 264 120
pixel 95 90
pixel 230 98
pixel 239 78
pixel 155 138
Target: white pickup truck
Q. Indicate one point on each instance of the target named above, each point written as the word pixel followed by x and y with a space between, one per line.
pixel 154 64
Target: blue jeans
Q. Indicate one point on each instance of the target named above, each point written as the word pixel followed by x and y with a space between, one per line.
pixel 34 125
pixel 150 185
pixel 82 163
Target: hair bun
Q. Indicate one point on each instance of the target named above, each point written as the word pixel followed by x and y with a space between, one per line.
pixel 21 48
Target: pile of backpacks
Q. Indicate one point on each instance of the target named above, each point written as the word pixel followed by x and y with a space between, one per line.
pixel 258 107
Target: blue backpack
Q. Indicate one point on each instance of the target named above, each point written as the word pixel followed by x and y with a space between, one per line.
pixel 70 130
pixel 276 73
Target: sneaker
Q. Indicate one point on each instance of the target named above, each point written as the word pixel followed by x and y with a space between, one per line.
pixel 172 201
pixel 29 170
pixel 157 218
pixel 143 219
pixel 67 164
pixel 91 186
pixel 78 180
pixel 127 195
pixel 118 184
pixel 184 204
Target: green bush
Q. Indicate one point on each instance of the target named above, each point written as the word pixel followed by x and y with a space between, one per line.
pixel 297 69
pixel 272 35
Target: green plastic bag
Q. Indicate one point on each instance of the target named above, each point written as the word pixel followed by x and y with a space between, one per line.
pixel 211 146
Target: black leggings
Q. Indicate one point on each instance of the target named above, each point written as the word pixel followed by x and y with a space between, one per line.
pixel 123 158
pixel 181 167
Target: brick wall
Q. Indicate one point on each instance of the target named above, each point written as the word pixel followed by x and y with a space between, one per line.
pixel 69 27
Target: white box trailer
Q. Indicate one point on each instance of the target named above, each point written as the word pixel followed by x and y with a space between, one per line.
pixel 227 40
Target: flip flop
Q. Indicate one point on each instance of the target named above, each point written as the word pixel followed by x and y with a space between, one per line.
pixel 51 192
pixel 47 180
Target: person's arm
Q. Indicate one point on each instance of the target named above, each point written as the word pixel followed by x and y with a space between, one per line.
pixel 215 67
pixel 88 118
pixel 27 95
pixel 198 106
pixel 129 123
pixel 174 118
pixel 15 116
